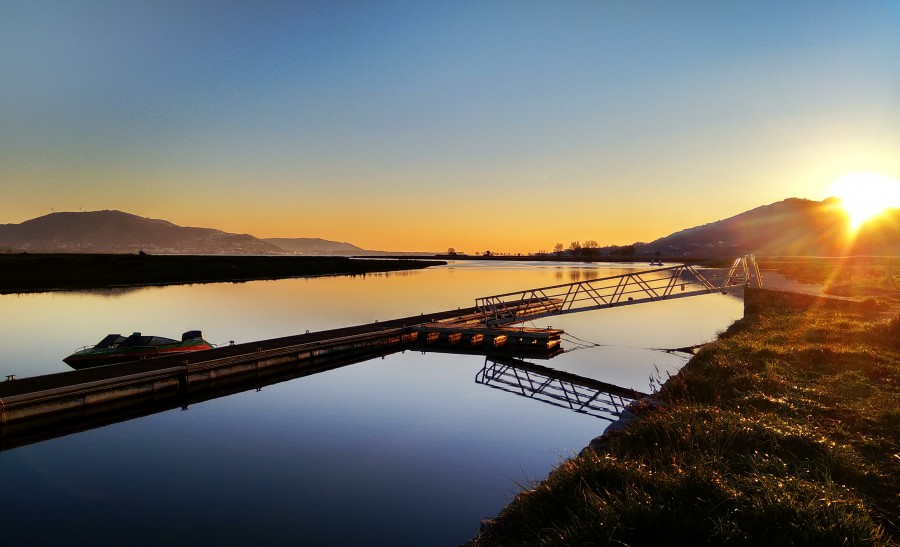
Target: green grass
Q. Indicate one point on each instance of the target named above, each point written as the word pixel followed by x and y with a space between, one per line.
pixel 785 431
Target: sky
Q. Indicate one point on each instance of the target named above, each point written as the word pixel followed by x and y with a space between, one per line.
pixel 496 125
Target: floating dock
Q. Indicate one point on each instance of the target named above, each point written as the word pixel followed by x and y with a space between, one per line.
pixel 520 340
pixel 39 401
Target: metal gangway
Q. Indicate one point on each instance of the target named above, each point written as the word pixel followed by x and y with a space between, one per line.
pixel 632 288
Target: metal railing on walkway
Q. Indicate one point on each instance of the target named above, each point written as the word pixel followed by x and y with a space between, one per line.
pixel 632 288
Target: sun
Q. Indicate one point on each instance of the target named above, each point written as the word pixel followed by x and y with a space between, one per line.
pixel 865 195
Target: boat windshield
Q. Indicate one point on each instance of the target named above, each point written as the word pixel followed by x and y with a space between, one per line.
pixel 110 341
pixel 137 340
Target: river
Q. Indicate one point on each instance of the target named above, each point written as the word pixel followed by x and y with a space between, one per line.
pixel 408 449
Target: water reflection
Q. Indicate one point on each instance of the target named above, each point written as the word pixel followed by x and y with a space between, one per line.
pixel 409 449
pixel 557 388
pixel 76 420
pixel 503 369
pixel 112 292
pixel 581 274
pixel 398 273
pixel 506 360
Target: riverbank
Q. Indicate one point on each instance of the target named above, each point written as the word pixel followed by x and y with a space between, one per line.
pixel 873 277
pixel 48 272
pixel 713 262
pixel 783 431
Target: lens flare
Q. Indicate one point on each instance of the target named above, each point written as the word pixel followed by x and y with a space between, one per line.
pixel 865 195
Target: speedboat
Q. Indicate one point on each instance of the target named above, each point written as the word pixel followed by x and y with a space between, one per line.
pixel 115 348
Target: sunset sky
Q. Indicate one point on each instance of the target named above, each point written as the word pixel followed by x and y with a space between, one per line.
pixel 475 124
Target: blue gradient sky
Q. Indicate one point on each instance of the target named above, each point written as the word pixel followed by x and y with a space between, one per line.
pixel 479 125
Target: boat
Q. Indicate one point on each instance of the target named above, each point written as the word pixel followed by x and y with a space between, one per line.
pixel 115 348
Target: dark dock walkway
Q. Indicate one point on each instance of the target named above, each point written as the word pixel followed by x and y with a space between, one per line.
pixel 63 379
pixel 60 399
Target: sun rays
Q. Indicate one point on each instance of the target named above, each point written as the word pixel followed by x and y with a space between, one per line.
pixel 865 195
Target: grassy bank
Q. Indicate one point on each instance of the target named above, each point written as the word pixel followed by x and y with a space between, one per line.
pixel 45 272
pixel 785 431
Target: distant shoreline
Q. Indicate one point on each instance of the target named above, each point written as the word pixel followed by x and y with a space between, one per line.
pixel 26 272
pixel 643 260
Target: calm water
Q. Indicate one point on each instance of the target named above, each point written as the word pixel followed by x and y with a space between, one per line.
pixel 404 450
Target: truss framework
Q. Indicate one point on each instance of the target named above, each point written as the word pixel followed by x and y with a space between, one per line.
pixel 632 288
pixel 575 393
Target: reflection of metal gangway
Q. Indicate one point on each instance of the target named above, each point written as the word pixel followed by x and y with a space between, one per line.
pixel 631 288
pixel 563 389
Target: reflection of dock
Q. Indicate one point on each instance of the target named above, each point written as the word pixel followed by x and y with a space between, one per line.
pixel 558 388
pixel 77 419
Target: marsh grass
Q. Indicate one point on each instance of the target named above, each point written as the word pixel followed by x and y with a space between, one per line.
pixel 782 432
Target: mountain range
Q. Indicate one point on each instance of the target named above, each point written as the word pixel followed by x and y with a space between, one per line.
pixel 118 232
pixel 794 227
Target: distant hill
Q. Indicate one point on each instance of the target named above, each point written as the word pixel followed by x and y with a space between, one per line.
pixel 314 246
pixel 796 227
pixel 324 247
pixel 118 232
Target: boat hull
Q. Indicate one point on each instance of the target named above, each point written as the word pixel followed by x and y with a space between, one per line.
pixel 112 356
